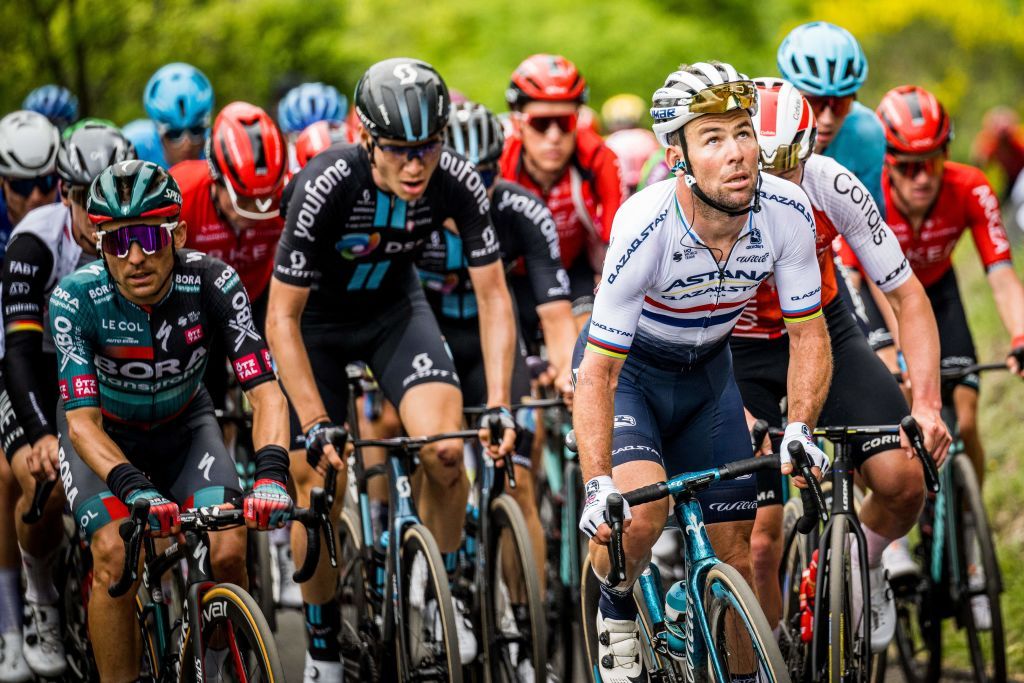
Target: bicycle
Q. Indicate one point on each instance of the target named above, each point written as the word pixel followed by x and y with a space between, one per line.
pixel 687 642
pixel 839 648
pixel 954 537
pixel 210 610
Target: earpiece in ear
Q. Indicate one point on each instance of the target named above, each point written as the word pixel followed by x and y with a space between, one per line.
pixel 678 167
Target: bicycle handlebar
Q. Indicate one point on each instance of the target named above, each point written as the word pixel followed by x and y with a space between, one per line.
pixel 931 472
pixel 960 373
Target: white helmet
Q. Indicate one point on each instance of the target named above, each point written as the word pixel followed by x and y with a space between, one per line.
pixel 698 89
pixel 784 123
pixel 28 145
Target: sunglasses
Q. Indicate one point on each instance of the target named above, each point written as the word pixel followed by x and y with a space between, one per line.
pixel 840 106
pixel 195 134
pixel 716 99
pixel 542 124
pixel 910 168
pixel 25 186
pixel 411 152
pixel 151 238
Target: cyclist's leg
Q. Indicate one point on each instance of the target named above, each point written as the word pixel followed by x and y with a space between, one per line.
pixel 760 369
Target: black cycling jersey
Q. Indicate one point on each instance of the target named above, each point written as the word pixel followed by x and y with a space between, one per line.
pixel 525 231
pixel 354 245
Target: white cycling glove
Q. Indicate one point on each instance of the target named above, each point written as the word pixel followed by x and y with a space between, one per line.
pixel 595 498
pixel 798 431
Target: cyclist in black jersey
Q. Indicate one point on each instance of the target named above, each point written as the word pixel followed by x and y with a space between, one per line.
pixel 48 244
pixel 346 285
pixel 132 333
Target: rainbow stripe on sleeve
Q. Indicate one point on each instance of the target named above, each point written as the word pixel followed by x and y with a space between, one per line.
pixel 24 326
pixel 802 315
pixel 606 348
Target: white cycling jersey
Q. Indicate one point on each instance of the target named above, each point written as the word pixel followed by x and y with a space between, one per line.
pixel 666 300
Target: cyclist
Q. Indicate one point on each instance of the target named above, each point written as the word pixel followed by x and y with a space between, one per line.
pixel 632 144
pixel 304 105
pixel 48 244
pixel 132 332
pixel 179 99
pixel 28 167
pixel 1000 141
pixel 55 102
pixel 345 284
pixel 841 206
pixel 230 201
pixel 316 138
pixel 570 167
pixel 623 112
pixel 655 393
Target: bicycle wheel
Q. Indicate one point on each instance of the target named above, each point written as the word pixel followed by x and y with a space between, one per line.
pixel 514 630
pixel 733 613
pixel 849 656
pixel 230 614
pixel 979 576
pixel 795 558
pixel 261 579
pixel 919 634
pixel 360 635
pixel 427 638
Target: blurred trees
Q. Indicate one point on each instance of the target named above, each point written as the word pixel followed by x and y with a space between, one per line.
pixel 971 53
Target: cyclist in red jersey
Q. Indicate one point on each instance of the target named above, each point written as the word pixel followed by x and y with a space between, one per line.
pixel 931 202
pixel 566 164
pixel 231 201
pixel 1001 142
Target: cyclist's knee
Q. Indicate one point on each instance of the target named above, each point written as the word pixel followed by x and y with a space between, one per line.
pixel 897 480
pixel 644 530
pixel 443 462
pixel 765 549
pixel 107 554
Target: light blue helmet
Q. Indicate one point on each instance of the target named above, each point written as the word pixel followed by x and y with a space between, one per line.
pixel 55 102
pixel 143 135
pixel 305 104
pixel 179 96
pixel 823 59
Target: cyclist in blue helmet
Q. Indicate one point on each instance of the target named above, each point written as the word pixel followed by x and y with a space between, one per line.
pixel 179 100
pixel 826 63
pixel 305 104
pixel 55 102
pixel 145 137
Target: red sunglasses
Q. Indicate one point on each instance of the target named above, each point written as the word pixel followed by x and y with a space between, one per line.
pixel 912 167
pixel 840 106
pixel 542 123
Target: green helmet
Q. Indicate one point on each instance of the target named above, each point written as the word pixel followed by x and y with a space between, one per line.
pixel 87 121
pixel 133 189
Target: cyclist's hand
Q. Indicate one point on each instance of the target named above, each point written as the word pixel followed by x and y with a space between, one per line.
pixel 164 516
pixel 42 461
pixel 595 505
pixel 937 438
pixel 563 384
pixel 501 418
pixel 268 506
pixel 1015 361
pixel 322 441
pixel 798 431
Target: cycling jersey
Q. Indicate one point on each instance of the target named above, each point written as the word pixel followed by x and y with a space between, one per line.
pixel 665 299
pixel 841 206
pixel 859 145
pixel 5 224
pixel 583 201
pixel 354 245
pixel 142 365
pixel 966 200
pixel 42 250
pixel 249 251
pixel 525 230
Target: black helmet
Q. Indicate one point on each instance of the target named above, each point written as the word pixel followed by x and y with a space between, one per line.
pixel 88 150
pixel 475 132
pixel 403 99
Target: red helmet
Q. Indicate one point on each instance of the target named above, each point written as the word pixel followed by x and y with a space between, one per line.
pixel 245 150
pixel 550 78
pixel 915 121
pixel 317 137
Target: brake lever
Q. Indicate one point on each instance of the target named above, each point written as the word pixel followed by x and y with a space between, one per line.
pixel 614 515
pixel 931 472
pixel 132 531
pixel 39 498
pixel 496 433
pixel 812 497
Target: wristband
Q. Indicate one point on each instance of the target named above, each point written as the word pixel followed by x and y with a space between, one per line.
pixel 125 479
pixel 1017 342
pixel 272 463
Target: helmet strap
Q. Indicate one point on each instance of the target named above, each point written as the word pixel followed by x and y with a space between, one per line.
pixel 691 182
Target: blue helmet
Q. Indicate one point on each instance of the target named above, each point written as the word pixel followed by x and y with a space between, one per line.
pixel 179 96
pixel 305 104
pixel 145 138
pixel 823 59
pixel 55 102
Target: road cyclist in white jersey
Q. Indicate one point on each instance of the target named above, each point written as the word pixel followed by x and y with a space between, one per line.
pixel 655 390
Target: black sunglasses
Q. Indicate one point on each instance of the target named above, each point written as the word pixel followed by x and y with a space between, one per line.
pixel 413 151
pixel 25 186
pixel 195 133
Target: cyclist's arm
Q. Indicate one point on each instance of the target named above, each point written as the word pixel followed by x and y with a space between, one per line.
pixel 497 330
pixel 1009 297
pixel 594 411
pixel 284 335
pixel 559 330
pixel 26 269
pixel 91 442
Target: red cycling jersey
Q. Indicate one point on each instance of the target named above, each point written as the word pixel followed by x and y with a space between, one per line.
pixel 966 200
pixel 249 251
pixel 591 181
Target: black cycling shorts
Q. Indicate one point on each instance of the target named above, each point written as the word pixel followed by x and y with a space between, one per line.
pixel 402 345
pixel 581 284
pixel 956 347
pixel 863 391
pixel 185 458
pixel 12 436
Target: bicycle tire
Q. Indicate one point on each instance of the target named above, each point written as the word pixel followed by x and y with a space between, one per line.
pixel 574 627
pixel 228 603
pixel 968 494
pixel 261 578
pixel 795 559
pixel 918 635
pixel 724 588
pixel 446 665
pixel 849 656
pixel 361 649
pixel 590 594
pixel 506 522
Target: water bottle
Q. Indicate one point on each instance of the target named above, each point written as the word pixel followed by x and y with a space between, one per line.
pixel 675 619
